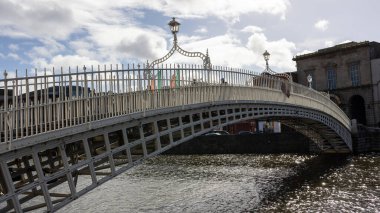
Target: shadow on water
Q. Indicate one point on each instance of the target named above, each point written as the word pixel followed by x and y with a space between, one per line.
pixel 310 172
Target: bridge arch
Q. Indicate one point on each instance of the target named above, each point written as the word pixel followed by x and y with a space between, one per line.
pixel 102 134
pixel 110 147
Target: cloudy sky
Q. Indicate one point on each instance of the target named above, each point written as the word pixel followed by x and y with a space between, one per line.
pixel 47 33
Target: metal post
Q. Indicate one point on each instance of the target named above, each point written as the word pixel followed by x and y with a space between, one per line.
pixel 6 109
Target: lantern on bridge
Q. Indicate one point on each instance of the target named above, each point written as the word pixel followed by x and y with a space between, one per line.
pixel 309 80
pixel 174 26
pixel 266 58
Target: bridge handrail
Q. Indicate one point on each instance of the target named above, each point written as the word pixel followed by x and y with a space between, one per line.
pixel 37 104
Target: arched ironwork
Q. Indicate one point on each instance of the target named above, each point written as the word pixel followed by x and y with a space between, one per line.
pixel 174 25
pixel 281 75
pixel 205 57
pixel 271 72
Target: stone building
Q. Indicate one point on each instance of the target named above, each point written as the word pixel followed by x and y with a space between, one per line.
pixel 350 73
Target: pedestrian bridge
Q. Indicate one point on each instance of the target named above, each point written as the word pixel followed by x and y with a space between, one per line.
pixel 64 132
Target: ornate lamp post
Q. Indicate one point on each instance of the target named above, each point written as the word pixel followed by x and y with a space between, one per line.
pixel 309 80
pixel 266 58
pixel 174 27
pixel 271 72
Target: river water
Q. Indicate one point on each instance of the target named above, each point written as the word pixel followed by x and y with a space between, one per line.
pixel 241 183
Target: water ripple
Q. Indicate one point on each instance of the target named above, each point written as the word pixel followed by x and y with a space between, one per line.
pixel 241 183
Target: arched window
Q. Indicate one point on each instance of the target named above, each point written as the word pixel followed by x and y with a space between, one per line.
pixel 331 78
pixel 357 109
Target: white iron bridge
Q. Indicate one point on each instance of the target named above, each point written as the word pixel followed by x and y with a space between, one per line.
pixel 59 128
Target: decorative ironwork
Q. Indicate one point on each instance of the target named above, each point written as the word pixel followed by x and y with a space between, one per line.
pixel 174 26
pixel 271 72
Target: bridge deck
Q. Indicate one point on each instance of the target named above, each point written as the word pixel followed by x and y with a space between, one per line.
pixel 51 137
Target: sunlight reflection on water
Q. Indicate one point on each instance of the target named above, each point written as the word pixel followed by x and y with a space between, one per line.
pixel 240 183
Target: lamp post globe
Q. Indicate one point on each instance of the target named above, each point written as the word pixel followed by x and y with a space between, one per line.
pixel 174 26
pixel 266 55
pixel 266 58
pixel 309 80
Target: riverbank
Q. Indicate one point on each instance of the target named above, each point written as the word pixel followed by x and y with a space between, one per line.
pixel 366 139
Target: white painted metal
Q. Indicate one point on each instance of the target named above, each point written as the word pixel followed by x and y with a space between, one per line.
pixel 202 117
pixel 57 101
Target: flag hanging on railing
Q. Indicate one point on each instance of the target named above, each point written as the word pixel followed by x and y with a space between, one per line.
pixel 172 81
pixel 153 82
pixel 175 80
pixel 177 84
pixel 159 79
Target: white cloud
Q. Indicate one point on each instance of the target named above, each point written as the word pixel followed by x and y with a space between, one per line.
pixel 13 47
pixel 201 30
pixel 10 31
pixel 329 43
pixel 315 43
pixel 64 61
pixel 252 29
pixel 52 19
pixel 346 41
pixel 108 31
pixel 225 50
pixel 48 49
pixel 85 47
pixel 229 50
pixel 229 10
pixel 13 56
pixel 131 42
pixel 188 39
pixel 33 18
pixel 304 52
pixel 322 25
pixel 281 52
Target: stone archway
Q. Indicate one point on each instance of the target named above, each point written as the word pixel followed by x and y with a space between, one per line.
pixel 357 109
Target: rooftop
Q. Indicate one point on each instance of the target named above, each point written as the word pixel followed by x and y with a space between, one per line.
pixel 336 48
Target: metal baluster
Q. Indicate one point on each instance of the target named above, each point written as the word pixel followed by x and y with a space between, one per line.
pixel 45 101
pixel 6 108
pixel 35 104
pixel 100 92
pixel 106 93
pixel 123 91
pixel 85 98
pixel 118 92
pixel 92 95
pixel 16 107
pixel 41 105
pixel 77 98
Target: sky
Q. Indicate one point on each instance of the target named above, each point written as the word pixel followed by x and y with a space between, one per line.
pixel 38 34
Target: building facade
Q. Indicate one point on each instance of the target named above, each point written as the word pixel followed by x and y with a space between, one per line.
pixel 350 73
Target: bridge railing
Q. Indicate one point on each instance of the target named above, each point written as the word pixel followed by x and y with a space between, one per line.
pixel 54 99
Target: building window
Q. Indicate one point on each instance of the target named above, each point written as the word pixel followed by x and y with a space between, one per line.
pixel 354 73
pixel 331 78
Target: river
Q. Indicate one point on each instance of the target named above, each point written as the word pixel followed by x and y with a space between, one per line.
pixel 241 183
